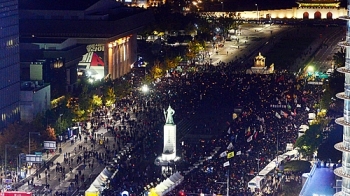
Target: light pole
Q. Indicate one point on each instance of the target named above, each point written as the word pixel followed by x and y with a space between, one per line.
pixel 227 183
pixel 222 6
pixel 145 90
pixel 37 133
pixel 7 145
pixel 257 13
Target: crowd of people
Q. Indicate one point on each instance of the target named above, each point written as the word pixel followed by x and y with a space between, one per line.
pixel 253 115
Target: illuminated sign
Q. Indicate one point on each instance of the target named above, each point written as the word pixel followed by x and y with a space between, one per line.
pixel 92 62
pixel 95 48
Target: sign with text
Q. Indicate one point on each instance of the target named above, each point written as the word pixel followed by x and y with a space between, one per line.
pixel 50 145
pixel 32 158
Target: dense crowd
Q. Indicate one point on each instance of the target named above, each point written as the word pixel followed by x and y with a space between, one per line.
pixel 270 109
pixel 253 114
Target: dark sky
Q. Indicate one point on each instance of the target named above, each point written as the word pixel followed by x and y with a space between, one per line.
pixel 232 5
pixel 56 4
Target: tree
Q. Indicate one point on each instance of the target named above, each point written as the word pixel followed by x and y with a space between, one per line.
pixel 310 141
pixel 96 101
pixel 49 134
pixel 339 58
pixel 157 70
pixel 194 48
pixel 231 22
pixel 172 63
pixel 110 97
pixel 326 98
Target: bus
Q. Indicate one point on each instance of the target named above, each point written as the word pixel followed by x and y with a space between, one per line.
pixel 256 184
pixel 259 181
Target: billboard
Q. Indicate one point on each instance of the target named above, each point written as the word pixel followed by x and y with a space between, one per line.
pixel 32 158
pixel 92 62
pixel 51 145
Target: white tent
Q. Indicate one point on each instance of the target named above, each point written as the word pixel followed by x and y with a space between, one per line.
pixel 169 184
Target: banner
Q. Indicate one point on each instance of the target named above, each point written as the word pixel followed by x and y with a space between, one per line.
pixel 278 115
pixel 227 163
pixel 223 154
pixel 250 138
pixel 230 155
pixel 230 146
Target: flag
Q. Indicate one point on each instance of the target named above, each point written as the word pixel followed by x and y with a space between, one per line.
pixel 250 138
pixel 223 154
pixel 230 155
pixel 248 133
pixel 239 153
pixel 230 146
pixel 227 163
pixel 284 114
pixel 229 130
pixel 298 106
pixel 255 134
pixel 307 109
pixel 210 157
pixel 278 115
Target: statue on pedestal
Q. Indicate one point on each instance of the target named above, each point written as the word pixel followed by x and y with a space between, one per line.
pixel 168 114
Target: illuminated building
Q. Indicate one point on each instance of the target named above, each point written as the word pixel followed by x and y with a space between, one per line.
pixel 344 147
pixel 306 9
pixel 98 37
pixel 9 63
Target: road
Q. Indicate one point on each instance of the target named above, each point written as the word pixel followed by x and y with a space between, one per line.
pixel 324 56
pixel 255 39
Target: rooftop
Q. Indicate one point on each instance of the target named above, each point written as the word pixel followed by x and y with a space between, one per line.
pixel 320 182
pixel 55 5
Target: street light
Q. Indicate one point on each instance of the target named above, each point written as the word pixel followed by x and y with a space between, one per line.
pixel 144 88
pixel 310 68
pixel 227 183
pixel 257 12
pixel 222 6
pixel 36 133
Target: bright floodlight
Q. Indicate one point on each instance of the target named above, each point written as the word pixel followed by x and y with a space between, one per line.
pixel 310 69
pixel 145 88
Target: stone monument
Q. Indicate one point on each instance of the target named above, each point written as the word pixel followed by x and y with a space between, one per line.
pixel 168 157
pixel 259 66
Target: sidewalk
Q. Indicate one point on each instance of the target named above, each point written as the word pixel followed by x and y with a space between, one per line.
pixel 65 181
pixel 67 147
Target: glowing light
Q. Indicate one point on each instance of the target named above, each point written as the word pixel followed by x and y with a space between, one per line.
pixel 144 88
pixel 311 69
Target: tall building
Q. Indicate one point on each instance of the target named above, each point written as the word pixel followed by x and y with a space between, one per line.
pixel 344 147
pixel 9 62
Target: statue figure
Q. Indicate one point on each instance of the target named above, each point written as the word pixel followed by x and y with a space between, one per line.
pixel 168 114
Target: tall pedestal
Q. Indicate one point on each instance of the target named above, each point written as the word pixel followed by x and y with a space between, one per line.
pixel 168 159
pixel 169 148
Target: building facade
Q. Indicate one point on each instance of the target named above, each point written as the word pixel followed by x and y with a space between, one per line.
pixel 9 63
pixel 98 38
pixel 310 9
pixel 344 147
pixel 35 99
